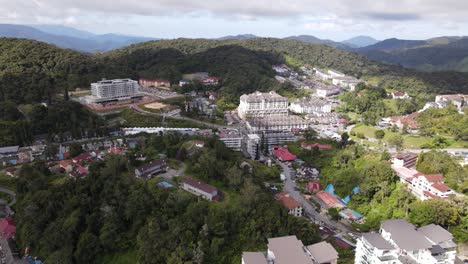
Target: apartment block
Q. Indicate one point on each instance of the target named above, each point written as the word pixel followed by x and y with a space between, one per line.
pixel 116 88
pixel 400 242
pixel 260 104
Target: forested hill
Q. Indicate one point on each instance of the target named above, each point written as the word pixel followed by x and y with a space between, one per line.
pixel 297 53
pixel 32 71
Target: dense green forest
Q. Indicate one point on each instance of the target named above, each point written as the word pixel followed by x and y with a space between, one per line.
pixel 110 212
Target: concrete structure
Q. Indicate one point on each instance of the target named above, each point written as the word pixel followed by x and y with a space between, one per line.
pixel 399 242
pixel 201 189
pixel 271 139
pixel 253 145
pixel 110 89
pixel 335 73
pixel 276 123
pixel 195 76
pixel 231 138
pixel 260 104
pixel 347 82
pixel 406 160
pixel 310 105
pixel 290 250
pixel 326 91
pixel 148 170
pixel 154 83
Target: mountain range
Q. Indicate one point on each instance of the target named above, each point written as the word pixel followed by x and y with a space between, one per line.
pixel 67 37
pixel 436 54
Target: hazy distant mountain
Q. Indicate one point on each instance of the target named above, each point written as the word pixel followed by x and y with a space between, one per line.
pixel 360 41
pixel 241 36
pixel 436 54
pixel 66 37
pixel 64 31
pixel 315 40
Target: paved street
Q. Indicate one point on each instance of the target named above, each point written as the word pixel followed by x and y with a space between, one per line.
pixel 309 208
pixel 11 193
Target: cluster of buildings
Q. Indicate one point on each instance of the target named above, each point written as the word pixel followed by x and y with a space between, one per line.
pixel 328 199
pixel 154 83
pixel 460 101
pixel 289 250
pixel 410 121
pixel 400 242
pixel 17 155
pixel 337 78
pixel 423 186
pixel 202 77
pixel 310 105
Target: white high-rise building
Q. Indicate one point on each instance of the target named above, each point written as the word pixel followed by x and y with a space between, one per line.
pixel 310 105
pixel 114 88
pixel 400 242
pixel 253 145
pixel 262 104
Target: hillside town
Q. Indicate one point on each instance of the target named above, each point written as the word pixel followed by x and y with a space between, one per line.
pixel 270 130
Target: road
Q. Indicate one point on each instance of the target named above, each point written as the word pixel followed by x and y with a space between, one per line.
pixel 203 123
pixel 309 208
pixel 11 193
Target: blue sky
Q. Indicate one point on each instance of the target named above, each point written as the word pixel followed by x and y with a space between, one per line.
pixel 333 19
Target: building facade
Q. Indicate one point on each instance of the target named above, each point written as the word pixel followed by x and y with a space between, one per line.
pixel 114 88
pixel 262 104
pixel 276 123
pixel 154 83
pixel 400 242
pixel 253 145
pixel 231 138
pixel 148 170
pixel 310 105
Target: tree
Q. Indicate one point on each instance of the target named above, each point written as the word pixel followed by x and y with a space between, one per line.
pixel 334 213
pixel 379 134
pixel 75 149
pixel 344 139
pixel 310 134
pixel 396 141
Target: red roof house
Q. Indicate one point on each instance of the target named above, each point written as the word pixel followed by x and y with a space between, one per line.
pixel 329 199
pixel 311 186
pixel 7 227
pixel 67 165
pixel 283 154
pixel 82 157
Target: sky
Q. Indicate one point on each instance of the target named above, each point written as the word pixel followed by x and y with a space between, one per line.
pixel 331 19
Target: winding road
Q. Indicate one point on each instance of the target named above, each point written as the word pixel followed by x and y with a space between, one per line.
pixel 11 193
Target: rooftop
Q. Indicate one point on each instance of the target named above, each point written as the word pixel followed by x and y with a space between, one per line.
pixel 311 102
pixel 329 199
pixel 376 240
pixel 323 252
pixel 254 258
pixel 259 96
pixel 435 233
pixel 200 185
pixel 288 250
pixel 405 235
pixel 441 187
pixel 10 149
pixel 151 165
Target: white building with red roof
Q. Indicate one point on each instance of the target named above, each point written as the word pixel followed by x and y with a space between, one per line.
pixel 400 95
pixel 294 207
pixel 201 189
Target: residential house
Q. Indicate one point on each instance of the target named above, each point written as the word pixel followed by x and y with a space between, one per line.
pixel 195 76
pixel 201 189
pixel 66 165
pixel 294 207
pixel 83 157
pixel 210 81
pixel 347 82
pixel 330 200
pixel 12 172
pixel 283 154
pixel 400 242
pixel 400 95
pixel 460 101
pixel 409 120
pixel 148 170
